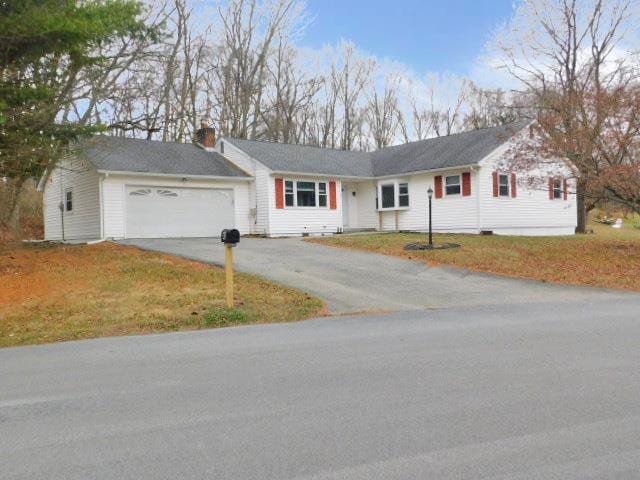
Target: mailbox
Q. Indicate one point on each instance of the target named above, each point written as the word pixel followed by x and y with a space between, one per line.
pixel 230 236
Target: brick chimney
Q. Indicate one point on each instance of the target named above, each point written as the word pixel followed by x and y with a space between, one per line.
pixel 206 136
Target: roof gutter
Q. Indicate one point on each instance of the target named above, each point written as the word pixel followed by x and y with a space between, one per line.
pixel 177 175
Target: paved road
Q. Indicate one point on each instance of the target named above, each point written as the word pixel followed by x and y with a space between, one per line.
pixel 526 391
pixel 352 281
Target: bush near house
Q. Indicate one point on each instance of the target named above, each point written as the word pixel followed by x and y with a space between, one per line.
pixel 55 293
pixel 606 258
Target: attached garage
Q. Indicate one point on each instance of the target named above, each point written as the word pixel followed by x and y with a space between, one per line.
pixel 164 211
pixel 115 188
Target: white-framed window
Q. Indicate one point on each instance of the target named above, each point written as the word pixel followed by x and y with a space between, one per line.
pixel 453 185
pixel 558 192
pixel 388 193
pixel 503 185
pixel 393 195
pixel 289 194
pixel 68 200
pixel 322 194
pixel 403 194
pixel 305 194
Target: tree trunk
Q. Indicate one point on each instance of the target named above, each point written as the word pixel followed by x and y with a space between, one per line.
pixel 581 209
pixel 14 215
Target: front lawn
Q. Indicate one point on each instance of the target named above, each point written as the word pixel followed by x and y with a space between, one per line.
pixel 606 258
pixel 56 293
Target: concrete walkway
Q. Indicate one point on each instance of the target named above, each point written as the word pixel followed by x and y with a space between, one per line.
pixel 353 281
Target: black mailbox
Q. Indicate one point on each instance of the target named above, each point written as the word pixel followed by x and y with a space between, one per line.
pixel 230 236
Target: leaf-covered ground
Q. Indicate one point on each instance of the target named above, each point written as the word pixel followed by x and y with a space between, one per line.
pixel 606 258
pixel 56 293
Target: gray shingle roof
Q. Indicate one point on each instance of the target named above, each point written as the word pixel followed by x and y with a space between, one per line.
pixel 282 157
pixel 456 150
pixel 145 156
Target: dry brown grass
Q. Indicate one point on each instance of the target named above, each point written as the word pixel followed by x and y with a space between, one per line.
pixel 56 293
pixel 607 258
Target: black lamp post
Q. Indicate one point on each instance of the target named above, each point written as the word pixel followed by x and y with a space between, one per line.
pixel 430 194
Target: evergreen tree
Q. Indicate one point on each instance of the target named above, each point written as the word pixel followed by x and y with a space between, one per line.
pixel 43 46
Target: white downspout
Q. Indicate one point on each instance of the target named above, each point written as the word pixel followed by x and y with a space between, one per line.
pixel 101 196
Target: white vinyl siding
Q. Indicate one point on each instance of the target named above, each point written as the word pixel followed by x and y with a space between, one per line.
pixel 304 220
pixel 453 213
pixel 366 193
pixel 530 213
pixel 82 222
pixel 258 191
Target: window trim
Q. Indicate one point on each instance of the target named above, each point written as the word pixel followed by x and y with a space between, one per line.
pixel 558 192
pixel 459 184
pixel 400 194
pixel 294 192
pixel 508 185
pixel 68 210
pixel 396 183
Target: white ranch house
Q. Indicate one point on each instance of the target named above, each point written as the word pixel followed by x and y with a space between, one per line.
pixel 125 188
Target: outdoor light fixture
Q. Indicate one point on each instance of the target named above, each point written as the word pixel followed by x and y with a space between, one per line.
pixel 430 195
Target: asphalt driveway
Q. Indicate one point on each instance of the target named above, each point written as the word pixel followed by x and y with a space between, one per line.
pixel 524 391
pixel 352 281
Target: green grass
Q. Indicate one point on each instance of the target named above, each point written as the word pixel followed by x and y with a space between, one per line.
pixel 606 258
pixel 51 294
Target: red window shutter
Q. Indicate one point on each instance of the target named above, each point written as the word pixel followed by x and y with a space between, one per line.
pixel 496 191
pixel 279 193
pixel 514 188
pixel 466 184
pixel 333 201
pixel 564 187
pixel 438 185
pixel 550 188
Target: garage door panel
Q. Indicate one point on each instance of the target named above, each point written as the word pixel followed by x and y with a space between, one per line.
pixel 155 212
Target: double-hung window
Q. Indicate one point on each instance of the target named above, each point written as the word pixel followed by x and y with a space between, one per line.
pixel 289 195
pixel 322 194
pixel 68 201
pixel 557 188
pixel 305 193
pixel 403 194
pixel 453 185
pixel 503 185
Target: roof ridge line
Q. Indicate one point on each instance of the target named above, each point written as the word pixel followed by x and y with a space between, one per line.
pixel 317 147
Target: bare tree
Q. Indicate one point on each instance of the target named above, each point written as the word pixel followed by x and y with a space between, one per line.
pixel 350 79
pixel 291 90
pixel 488 108
pixel 571 59
pixel 249 30
pixel 382 112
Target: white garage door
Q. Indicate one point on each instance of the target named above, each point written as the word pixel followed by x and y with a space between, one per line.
pixel 156 212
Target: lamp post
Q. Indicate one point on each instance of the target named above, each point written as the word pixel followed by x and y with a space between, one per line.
pixel 430 194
